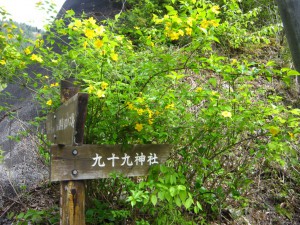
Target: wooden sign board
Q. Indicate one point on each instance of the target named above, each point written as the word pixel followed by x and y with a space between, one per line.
pixel 66 125
pixel 99 161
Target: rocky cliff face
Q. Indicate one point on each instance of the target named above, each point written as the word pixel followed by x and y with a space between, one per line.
pixel 22 165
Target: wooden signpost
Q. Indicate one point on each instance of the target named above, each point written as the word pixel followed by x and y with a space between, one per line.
pixel 72 162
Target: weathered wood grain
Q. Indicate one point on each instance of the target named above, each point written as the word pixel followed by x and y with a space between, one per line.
pixel 66 125
pixel 96 161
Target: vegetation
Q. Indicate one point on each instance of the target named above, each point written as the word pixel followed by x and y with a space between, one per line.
pixel 193 76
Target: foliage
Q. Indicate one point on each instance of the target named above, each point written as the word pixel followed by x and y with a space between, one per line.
pixel 31 216
pixel 171 80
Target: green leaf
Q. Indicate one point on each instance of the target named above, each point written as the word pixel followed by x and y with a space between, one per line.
pixel 271 63
pixel 178 201
pixel 188 203
pixel 182 195
pixel 293 73
pixel 181 187
pixel 295 111
pixel 161 195
pixel 172 191
pixel 213 82
pixel 199 205
pixel 153 199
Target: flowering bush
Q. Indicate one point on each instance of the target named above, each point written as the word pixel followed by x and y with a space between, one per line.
pixel 169 84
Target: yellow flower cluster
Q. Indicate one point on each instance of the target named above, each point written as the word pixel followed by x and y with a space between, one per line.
pixel 89 33
pixel 49 102
pixel 98 43
pixel 206 23
pixel 226 114
pixel 170 106
pixel 94 89
pixel 104 85
pixel 37 58
pixel 215 9
pixel 114 56
pixel 176 26
pixel 27 51
pixel 139 127
pixel 2 62
pixel 54 84
pixel 141 111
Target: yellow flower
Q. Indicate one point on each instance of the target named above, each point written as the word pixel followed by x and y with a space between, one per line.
pixel 54 60
pixel 2 62
pixel 173 35
pixel 114 56
pixel 170 106
pixel 100 94
pixel 233 62
pixel 204 24
pixel 190 21
pixel 46 77
pixel 27 51
pixel 37 58
pixel 150 113
pixel 215 9
pixel 188 31
pixel 92 20
pixel 167 26
pixel 291 135
pixel 199 89
pixel 90 89
pixel 89 33
pixel 54 85
pixel 140 111
pixel 150 121
pixel 226 114
pixel 130 105
pixel 98 43
pixel 138 127
pixel 78 23
pixel 100 30
pixel 274 130
pixel 180 32
pixel 104 85
pixel 214 23
pixel 85 44
pixel 49 102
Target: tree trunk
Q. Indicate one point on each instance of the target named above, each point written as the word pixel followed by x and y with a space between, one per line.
pixel 290 11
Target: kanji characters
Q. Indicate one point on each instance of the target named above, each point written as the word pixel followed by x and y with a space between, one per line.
pixel 97 160
pixel 140 159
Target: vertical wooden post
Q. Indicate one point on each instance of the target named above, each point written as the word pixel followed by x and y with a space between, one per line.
pixel 72 193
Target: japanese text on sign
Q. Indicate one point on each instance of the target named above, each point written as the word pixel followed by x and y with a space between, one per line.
pixel 126 160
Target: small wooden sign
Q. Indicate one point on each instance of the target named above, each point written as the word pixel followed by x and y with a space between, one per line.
pixel 99 161
pixel 66 125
